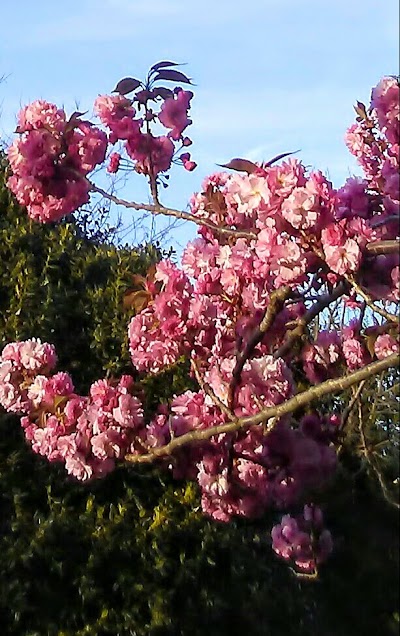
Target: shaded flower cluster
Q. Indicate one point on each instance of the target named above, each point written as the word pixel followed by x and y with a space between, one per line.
pixel 303 541
pixel 247 473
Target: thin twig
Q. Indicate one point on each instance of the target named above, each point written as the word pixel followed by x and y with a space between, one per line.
pixel 371 462
pixel 379 221
pixel 379 310
pixel 301 323
pixel 351 405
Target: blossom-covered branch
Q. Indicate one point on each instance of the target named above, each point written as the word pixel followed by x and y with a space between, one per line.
pixel 275 305
pixel 155 208
pixel 296 402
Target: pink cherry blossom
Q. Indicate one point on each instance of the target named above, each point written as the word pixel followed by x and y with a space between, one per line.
pixel 173 113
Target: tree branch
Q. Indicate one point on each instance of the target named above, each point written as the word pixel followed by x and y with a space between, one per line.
pixel 379 310
pixel 275 305
pixel 299 400
pixel 178 214
pixel 384 247
pixel 311 313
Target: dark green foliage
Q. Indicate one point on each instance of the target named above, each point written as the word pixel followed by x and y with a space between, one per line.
pixel 59 287
pixel 132 554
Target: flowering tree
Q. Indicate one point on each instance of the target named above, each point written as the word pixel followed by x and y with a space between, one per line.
pixel 250 308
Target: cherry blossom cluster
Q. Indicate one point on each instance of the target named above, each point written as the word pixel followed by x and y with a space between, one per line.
pixel 132 121
pixel 53 155
pixel 86 433
pixel 238 474
pixel 151 154
pixel 246 472
pixel 20 362
pixel 50 159
pixel 374 141
pixel 303 541
pixel 301 226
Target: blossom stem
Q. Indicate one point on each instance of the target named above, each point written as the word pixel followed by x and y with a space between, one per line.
pixel 275 305
pixel 379 310
pixel 311 313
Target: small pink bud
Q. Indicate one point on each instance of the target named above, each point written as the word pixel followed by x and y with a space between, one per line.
pixel 190 165
pixel 114 163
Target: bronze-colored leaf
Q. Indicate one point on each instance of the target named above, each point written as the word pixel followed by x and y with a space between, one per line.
pixel 59 400
pixel 151 272
pixel 370 343
pixel 136 300
pixel 139 281
pixel 240 165
pixel 360 110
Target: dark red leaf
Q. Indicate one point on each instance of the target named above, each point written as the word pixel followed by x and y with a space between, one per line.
pixel 172 76
pixel 77 114
pixel 241 165
pixel 73 121
pixel 163 92
pixel 143 96
pixel 127 85
pixel 278 157
pixel 163 64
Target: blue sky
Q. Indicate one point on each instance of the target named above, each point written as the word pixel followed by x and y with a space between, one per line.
pixel 271 75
